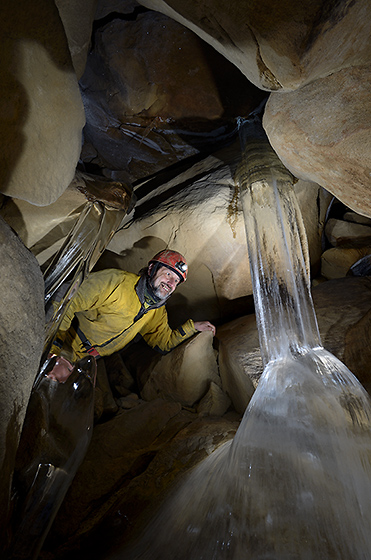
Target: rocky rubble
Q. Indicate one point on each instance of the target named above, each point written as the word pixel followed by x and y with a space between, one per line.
pixel 348 237
pixel 132 461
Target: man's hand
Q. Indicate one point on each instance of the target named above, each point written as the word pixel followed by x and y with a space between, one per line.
pixel 204 326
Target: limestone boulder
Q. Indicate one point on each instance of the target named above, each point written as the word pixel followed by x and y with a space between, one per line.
pixel 356 218
pixel 337 261
pixel 348 234
pixel 342 233
pixel 129 401
pixel 332 132
pixel 22 339
pixel 41 103
pixel 215 402
pixel 279 46
pixel 184 375
pixel 240 362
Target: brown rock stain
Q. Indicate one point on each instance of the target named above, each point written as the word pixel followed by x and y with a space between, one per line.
pixel 232 211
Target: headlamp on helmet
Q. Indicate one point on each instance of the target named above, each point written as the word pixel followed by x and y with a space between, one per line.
pixel 173 260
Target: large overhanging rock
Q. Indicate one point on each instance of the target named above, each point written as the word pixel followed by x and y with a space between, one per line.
pixel 42 110
pixel 321 132
pixel 279 45
pixel 21 343
pixel 337 261
pixel 350 238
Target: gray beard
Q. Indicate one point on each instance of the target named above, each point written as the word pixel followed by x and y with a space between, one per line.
pixel 155 292
pixel 158 294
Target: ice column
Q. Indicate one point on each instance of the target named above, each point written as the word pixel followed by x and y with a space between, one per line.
pixel 277 247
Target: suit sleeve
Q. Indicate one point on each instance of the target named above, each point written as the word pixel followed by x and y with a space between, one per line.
pixel 162 338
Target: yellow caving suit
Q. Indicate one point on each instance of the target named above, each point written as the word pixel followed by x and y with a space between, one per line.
pixel 110 314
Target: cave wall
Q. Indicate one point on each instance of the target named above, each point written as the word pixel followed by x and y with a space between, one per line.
pixel 128 90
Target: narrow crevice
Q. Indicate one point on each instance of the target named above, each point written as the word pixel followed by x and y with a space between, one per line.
pixel 98 23
pixel 112 16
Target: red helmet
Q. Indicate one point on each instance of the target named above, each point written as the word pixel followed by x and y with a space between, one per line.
pixel 173 260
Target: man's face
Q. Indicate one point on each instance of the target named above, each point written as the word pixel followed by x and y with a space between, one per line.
pixel 164 282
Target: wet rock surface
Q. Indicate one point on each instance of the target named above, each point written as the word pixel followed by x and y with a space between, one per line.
pixel 21 344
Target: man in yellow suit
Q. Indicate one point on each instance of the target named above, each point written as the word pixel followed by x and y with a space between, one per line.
pixel 113 306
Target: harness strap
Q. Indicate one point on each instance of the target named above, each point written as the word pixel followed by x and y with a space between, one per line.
pixel 87 345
